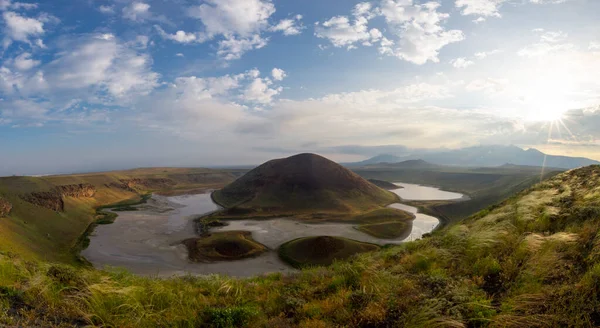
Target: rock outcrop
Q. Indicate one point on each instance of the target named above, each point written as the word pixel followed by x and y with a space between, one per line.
pixel 5 207
pixel 83 190
pixel 53 199
pixel 148 184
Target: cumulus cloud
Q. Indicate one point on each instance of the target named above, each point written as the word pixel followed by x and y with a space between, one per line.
pixel 342 31
pixel 480 7
pixel 24 62
pixel 278 74
pixel 233 48
pixel 233 17
pixel 461 62
pixel 137 11
pixel 260 91
pixel 418 28
pixel 181 36
pixel 288 26
pixel 20 28
pixel 237 26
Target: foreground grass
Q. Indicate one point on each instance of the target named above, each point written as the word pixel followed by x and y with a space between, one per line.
pixel 532 261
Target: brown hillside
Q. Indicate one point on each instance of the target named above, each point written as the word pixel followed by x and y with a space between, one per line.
pixel 302 182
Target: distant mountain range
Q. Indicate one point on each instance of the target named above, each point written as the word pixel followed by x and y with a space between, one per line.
pixel 481 156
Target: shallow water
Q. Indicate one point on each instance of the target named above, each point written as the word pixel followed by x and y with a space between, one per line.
pixel 418 192
pixel 147 242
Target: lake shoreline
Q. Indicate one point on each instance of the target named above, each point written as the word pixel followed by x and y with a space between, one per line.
pixel 148 241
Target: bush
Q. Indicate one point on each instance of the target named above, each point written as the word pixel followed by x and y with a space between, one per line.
pixel 230 317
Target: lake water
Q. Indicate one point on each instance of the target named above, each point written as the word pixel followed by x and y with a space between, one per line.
pixel 147 242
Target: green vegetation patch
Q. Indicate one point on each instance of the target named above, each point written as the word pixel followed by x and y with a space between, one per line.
pixel 387 230
pixel 321 250
pixel 223 246
pixel 386 223
pixel 384 184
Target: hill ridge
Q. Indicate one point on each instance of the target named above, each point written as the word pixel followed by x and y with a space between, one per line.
pixel 302 182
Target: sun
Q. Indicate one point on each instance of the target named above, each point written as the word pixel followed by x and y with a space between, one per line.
pixel 547 110
pixel 546 101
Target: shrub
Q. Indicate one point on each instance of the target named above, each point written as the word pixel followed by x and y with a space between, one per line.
pixel 230 317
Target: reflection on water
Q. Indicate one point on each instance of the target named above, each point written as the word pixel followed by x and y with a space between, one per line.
pixel 147 242
pixel 417 192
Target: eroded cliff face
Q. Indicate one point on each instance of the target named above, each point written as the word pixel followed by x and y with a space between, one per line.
pixel 53 199
pixel 5 207
pixel 84 190
pixel 148 183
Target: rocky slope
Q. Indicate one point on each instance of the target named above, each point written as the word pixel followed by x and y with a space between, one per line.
pixel 53 199
pixel 5 207
pixel 83 190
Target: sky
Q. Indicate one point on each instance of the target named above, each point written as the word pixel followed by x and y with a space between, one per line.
pixel 109 84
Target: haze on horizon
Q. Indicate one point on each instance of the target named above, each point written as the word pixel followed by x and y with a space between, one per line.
pixel 110 84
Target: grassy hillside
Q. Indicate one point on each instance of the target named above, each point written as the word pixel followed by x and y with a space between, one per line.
pixel 49 214
pixel 299 184
pixel 485 186
pixel 531 261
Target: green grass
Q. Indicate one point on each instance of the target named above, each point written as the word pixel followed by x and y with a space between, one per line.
pixel 485 186
pixel 322 250
pixel 386 230
pixel 41 234
pixel 386 223
pixel 530 261
pixel 223 246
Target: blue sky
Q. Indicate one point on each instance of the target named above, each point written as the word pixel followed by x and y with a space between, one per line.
pixel 92 85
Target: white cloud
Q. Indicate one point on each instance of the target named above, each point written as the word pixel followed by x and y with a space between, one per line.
pixel 278 74
pixel 23 62
pixel 461 62
pixel 548 1
pixel 233 48
pixel 7 4
pixel 107 9
pixel 485 54
pixel 550 42
pixel 179 54
pixel 238 26
pixel 594 46
pixel 260 91
pixel 479 20
pixel 419 30
pixel 105 64
pixel 181 36
pixel 20 28
pixel 343 32
pixel 288 26
pixel 240 17
pixel 23 5
pixel 480 7
pixel 489 85
pixel 137 11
